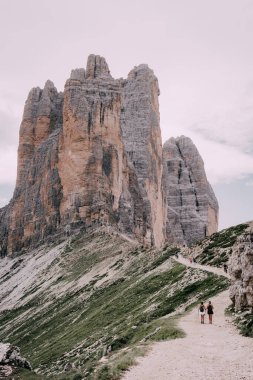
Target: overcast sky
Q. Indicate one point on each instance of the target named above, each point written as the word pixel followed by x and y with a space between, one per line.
pixel 200 50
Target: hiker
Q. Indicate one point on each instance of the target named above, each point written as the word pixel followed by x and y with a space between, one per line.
pixel 225 268
pixel 202 312
pixel 190 258
pixel 209 309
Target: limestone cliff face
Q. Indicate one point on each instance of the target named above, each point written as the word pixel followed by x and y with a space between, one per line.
pixel 93 156
pixel 99 184
pixel 241 271
pixel 140 123
pixel 192 208
pixel 34 209
pixel 88 157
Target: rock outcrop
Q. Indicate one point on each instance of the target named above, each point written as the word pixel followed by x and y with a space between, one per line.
pixel 87 157
pixel 10 358
pixel 192 208
pixel 241 271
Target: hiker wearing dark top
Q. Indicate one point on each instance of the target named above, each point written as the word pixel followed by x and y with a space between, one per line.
pixel 209 309
pixel 202 312
pixel 225 268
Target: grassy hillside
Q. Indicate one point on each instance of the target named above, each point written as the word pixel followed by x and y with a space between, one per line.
pixel 87 307
pixel 216 249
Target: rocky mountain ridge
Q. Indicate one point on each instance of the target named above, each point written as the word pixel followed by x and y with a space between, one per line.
pixel 92 156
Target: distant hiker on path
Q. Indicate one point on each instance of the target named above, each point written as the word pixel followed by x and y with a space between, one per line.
pixel 202 312
pixel 225 268
pixel 209 309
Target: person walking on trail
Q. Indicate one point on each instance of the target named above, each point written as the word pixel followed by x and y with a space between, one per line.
pixel 209 309
pixel 202 312
pixel 225 268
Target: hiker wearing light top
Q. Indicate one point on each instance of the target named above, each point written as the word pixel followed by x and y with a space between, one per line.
pixel 209 309
pixel 202 312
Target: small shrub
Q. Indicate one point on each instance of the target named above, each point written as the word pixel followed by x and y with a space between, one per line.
pixel 168 333
pixel 104 373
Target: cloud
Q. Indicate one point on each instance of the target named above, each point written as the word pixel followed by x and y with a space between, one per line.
pixel 235 130
pixel 249 183
pixel 10 115
pixel 8 165
pixel 10 118
pixel 8 129
pixel 233 125
pixel 6 191
pixel 223 163
pixel 224 136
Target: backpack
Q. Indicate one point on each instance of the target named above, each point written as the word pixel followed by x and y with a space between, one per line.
pixel 201 308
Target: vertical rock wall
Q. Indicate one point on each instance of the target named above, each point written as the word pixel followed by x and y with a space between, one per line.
pixel 33 212
pixel 140 123
pixel 192 208
pixel 99 184
pixel 241 271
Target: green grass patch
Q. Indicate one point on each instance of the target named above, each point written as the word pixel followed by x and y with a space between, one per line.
pixel 218 251
pixel 164 256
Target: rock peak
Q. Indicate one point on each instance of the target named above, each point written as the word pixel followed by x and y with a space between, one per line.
pixel 78 74
pixel 140 71
pixel 97 68
pixel 49 85
pixel 191 204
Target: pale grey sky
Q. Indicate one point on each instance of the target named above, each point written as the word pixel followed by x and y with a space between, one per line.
pixel 200 50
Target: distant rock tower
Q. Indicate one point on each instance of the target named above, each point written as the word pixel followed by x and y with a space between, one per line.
pixel 192 208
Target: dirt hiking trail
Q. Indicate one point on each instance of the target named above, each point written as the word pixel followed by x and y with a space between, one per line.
pixel 208 352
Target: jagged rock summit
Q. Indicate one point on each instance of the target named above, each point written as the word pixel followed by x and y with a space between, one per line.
pixel 93 156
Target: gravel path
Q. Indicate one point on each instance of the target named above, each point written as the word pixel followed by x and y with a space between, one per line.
pixel 208 352
pixel 208 268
